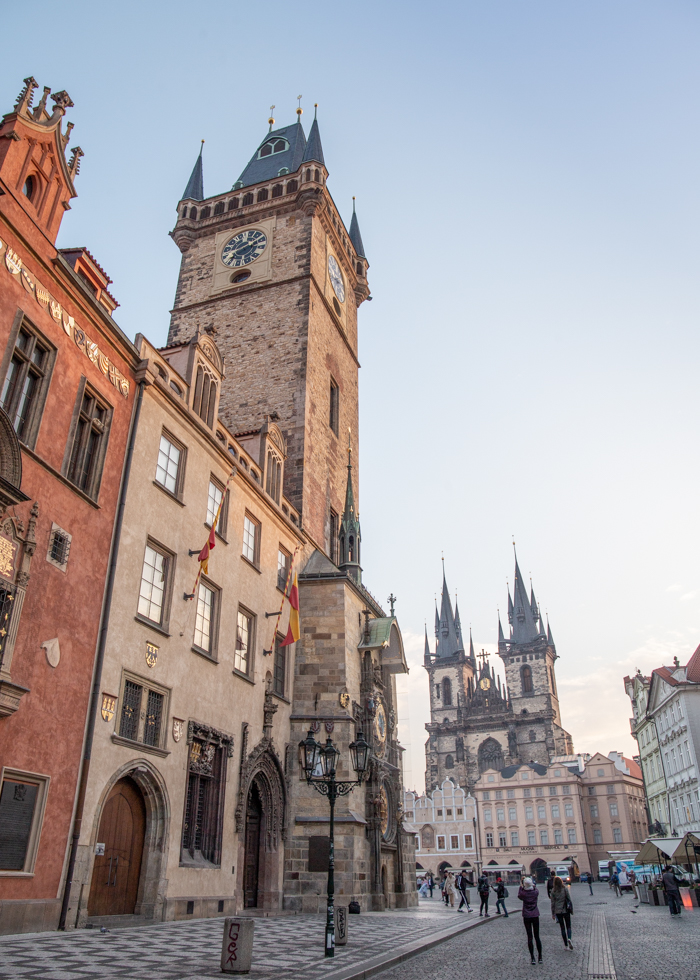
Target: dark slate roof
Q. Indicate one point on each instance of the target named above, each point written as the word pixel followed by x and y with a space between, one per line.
pixel 355 236
pixel 266 168
pixel 510 771
pixel 318 564
pixel 448 640
pixel 524 627
pixel 195 185
pixel 314 150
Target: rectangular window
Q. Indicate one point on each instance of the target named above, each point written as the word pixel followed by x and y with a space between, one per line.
pixel 613 810
pixel 27 382
pixel 555 811
pixel 251 539
pixel 439 813
pixel 454 842
pixel 527 792
pixel 572 835
pixel 217 496
pixel 558 837
pixel 487 816
pixel 244 642
pixel 512 813
pixel 89 444
pixel 334 413
pixel 531 838
pixel 59 547
pixel 597 836
pixel 552 790
pixel 205 620
pixel 529 813
pixel 204 803
pixel 510 794
pixel 459 811
pixel 569 809
pixel 566 791
pixel 22 802
pixel 502 840
pixel 489 840
pixel 594 811
pixel 499 794
pixel 617 835
pixel 418 842
pixel 539 791
pixel 441 843
pixel 544 838
pixel 154 592
pixel 591 790
pixel 610 790
pixel 143 712
pixel 283 562
pixel 280 667
pixel 170 465
pixel 333 543
pixel 541 813
pixel 500 814
pixel 468 845
pixel 449 812
pixel 485 796
pixel 514 839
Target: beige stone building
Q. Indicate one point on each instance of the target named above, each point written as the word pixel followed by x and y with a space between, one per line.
pixel 614 812
pixel 196 803
pixel 444 825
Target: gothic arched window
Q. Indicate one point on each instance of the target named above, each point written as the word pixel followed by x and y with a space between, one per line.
pixel 308 175
pixel 490 755
pixel 205 213
pixel 459 747
pixel 449 762
pixel 292 186
pixel 247 199
pixel 277 190
pixel 446 691
pixel 262 195
pixel 219 208
pixel 233 204
pixel 193 212
pixel 317 176
pixel 526 679
pixel 274 476
pixel 204 396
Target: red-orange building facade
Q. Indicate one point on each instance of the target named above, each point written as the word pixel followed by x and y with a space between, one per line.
pixel 67 393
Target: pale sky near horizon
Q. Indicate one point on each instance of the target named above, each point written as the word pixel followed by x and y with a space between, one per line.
pixel 527 190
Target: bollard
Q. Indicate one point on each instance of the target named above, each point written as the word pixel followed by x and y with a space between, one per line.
pixel 341 925
pixel 237 946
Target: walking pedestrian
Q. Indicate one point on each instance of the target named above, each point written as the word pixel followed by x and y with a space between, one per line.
pixel 633 882
pixel 562 910
pixel 550 882
pixel 462 882
pixel 529 895
pixel 431 885
pixel 501 895
pixel 615 881
pixel 450 890
pixel 483 889
pixel 673 895
pixel 590 882
pixel 612 868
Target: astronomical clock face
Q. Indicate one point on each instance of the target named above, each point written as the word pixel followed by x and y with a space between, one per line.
pixel 336 278
pixel 485 683
pixel 380 729
pixel 383 811
pixel 244 248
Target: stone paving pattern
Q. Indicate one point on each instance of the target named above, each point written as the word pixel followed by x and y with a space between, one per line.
pixel 646 943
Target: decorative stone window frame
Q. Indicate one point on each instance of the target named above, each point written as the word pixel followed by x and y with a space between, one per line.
pixel 92 490
pixel 39 401
pixel 42 782
pixel 147 685
pixel 55 529
pixel 25 541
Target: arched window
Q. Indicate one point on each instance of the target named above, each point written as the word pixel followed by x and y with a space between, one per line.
pixel 351 548
pixel 29 188
pixel 533 735
pixel 459 747
pixel 449 762
pixel 437 691
pixel 272 146
pixel 446 691
pixel 193 213
pixel 263 194
pixel 205 212
pixel 274 476
pixel 247 199
pixel 176 388
pixel 233 204
pixel 219 207
pixel 526 679
pixel 204 396
pixel 277 190
pixel 308 175
pixel 490 755
pixel 317 176
pixel 292 186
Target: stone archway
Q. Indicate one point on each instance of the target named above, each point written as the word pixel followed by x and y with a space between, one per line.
pixel 150 893
pixel 490 755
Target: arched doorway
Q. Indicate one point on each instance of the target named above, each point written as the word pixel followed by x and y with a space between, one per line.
pixel 538 870
pixel 115 876
pixel 253 836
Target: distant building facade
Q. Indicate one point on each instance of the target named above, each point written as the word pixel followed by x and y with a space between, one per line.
pixel 613 803
pixel 445 828
pixel 650 759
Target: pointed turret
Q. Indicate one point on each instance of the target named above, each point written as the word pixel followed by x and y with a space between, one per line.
pixel 195 185
pixel 349 537
pixel 449 642
pixel 472 657
pixel 524 628
pixel 355 236
pixel 314 151
pixel 426 654
pixel 533 604
pixel 458 625
pixel 510 609
pixel 501 637
pixel 550 638
pixel 437 622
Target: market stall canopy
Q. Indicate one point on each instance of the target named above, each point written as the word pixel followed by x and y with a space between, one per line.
pixel 658 850
pixel 685 852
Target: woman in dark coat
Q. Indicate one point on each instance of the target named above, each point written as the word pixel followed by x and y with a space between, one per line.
pixel 528 895
pixel 562 910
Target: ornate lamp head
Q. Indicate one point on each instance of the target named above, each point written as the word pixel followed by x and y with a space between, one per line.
pixel 359 752
pixel 310 752
pixel 330 757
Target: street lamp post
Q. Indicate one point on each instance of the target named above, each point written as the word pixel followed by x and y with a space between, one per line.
pixel 319 763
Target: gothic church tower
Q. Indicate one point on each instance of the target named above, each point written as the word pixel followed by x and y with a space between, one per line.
pixel 269 269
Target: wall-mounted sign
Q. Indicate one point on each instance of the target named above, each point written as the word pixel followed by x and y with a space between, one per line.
pixel 109 702
pixel 151 654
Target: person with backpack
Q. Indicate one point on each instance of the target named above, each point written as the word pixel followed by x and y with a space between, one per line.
pixel 528 895
pixel 562 910
pixel 501 896
pixel 483 888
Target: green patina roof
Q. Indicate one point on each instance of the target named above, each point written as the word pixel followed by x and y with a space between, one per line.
pixel 379 633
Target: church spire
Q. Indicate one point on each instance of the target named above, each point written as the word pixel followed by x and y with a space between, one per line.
pixel 314 150
pixel 524 629
pixel 471 647
pixel 355 236
pixel 449 642
pixel 426 653
pixel 195 185
pixel 550 638
pixel 350 536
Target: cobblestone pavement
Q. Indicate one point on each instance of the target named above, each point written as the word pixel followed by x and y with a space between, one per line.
pixel 645 943
pixel 289 947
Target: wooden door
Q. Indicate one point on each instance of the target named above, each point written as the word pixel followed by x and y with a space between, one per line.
pixel 115 876
pixel 253 820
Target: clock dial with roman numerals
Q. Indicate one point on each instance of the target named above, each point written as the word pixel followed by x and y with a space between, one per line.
pixel 336 278
pixel 244 248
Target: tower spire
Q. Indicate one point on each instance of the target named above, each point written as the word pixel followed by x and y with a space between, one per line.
pixel 355 236
pixel 195 185
pixel 350 536
pixel 471 647
pixel 314 150
pixel 523 621
pixel 426 652
pixel 449 641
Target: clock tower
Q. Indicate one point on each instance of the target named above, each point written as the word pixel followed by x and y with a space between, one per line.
pixel 269 269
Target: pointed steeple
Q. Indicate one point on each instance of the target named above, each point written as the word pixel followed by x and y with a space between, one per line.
pixel 437 622
pixel 471 647
pixel 501 637
pixel 314 150
pixel 355 236
pixel 349 537
pixel 426 653
pixel 524 628
pixel 458 625
pixel 195 185
pixel 449 642
pixel 510 609
pixel 550 638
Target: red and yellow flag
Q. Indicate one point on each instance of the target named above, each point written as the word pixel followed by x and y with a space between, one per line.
pixel 293 631
pixel 203 556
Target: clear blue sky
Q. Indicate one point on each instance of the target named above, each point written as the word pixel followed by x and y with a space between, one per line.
pixel 527 185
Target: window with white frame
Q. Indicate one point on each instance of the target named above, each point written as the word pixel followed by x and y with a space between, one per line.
pixel 531 838
pixel 514 839
pixel 487 816
pixel 244 642
pixel 251 539
pixel 512 813
pixel 168 467
pixel 555 811
pixel 569 809
pixel 468 842
pixel 283 562
pixel 154 591
pixel 489 840
pixel 204 622
pixel 502 840
pixel 544 838
pixel 454 842
pixel 529 813
pixel 541 813
pixel 22 803
pixel 617 835
pixel 214 497
pixel 500 814
pixel 558 837
pixel 613 809
pixel 572 835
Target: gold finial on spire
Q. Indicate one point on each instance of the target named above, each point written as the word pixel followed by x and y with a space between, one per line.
pixel 349 444
pixel 315 109
pixel 271 119
pixel 299 108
